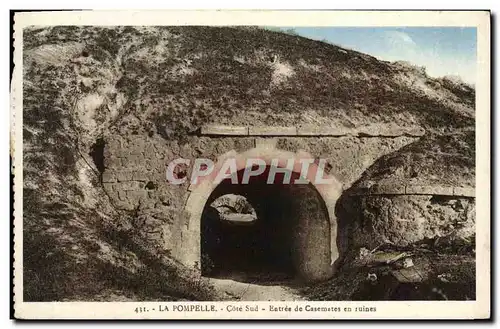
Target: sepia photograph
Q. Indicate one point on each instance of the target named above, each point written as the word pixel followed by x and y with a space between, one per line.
pixel 264 167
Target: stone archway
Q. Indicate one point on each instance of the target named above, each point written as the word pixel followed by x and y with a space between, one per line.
pixel 328 194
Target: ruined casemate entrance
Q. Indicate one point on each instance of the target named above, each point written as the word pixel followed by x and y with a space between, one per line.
pixel 265 232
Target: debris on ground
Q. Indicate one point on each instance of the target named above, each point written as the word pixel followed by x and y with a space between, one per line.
pixel 444 277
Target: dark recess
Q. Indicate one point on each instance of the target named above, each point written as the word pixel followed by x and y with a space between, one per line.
pixel 97 154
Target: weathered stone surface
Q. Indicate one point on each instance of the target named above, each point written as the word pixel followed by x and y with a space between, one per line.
pixel 415 131
pixel 124 175
pixel 349 156
pixel 380 131
pixel 122 195
pixel 137 194
pixel 431 190
pixel 165 109
pixel 133 160
pixel 410 275
pixel 112 160
pixel 310 130
pixel 272 131
pixel 387 189
pixel 139 176
pixel 268 143
pixel 224 130
pixel 108 177
pixel 130 186
pixel 409 189
pixel 406 219
pixel 464 191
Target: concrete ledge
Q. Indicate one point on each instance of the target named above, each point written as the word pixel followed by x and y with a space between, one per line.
pixel 323 131
pixel 272 131
pixel 377 130
pixel 388 189
pixel 224 130
pixel 437 190
pixel 464 191
pixel 394 189
pixel 311 131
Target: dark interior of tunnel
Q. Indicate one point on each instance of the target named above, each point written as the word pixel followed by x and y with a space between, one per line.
pixel 261 250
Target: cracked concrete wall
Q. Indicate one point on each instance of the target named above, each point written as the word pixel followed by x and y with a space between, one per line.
pixel 135 166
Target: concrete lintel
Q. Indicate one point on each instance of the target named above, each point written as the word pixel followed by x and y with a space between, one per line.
pixel 464 191
pixel 430 190
pixel 378 133
pixel 360 191
pixel 394 189
pixel 224 130
pixel 309 130
pixel 272 131
pixel 388 189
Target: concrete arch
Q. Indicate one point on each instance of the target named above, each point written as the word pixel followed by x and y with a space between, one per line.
pixel 199 194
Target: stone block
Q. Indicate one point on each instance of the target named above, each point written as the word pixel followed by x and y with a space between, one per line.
pixel 137 194
pixel 269 143
pixel 133 160
pixel 378 132
pixel 125 205
pixel 129 186
pixel 272 131
pixel 139 176
pixel 388 189
pixel 122 195
pixel 149 150
pixel 108 152
pixel 109 187
pixel 124 175
pixel 112 161
pixel 108 177
pixel 224 130
pixel 415 189
pixel 114 143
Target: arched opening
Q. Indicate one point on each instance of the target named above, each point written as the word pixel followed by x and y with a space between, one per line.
pixel 266 232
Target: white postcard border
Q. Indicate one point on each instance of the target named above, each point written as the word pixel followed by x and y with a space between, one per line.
pixel 480 308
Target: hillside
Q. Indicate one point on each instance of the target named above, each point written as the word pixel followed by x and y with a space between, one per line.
pixel 439 160
pixel 81 84
pixel 214 73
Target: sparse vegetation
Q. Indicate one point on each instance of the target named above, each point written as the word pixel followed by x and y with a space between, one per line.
pixel 168 81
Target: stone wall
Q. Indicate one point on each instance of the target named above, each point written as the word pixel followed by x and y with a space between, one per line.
pixel 402 220
pixel 135 166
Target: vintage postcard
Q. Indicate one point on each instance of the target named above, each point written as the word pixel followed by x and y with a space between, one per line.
pixel 251 165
